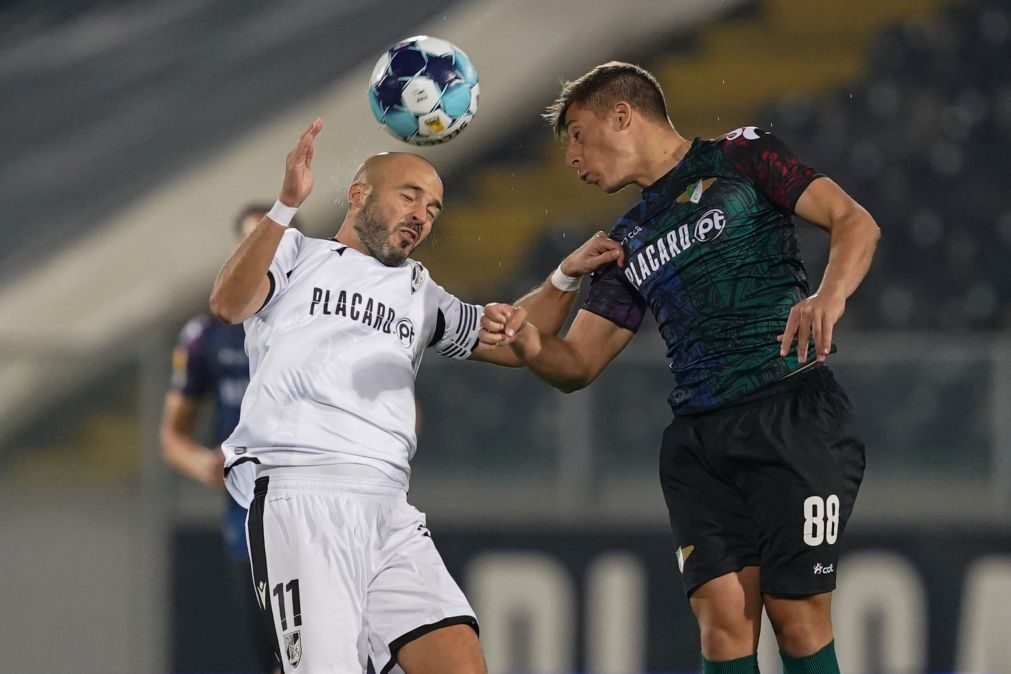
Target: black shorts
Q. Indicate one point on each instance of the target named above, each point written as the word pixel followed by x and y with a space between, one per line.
pixel 767 481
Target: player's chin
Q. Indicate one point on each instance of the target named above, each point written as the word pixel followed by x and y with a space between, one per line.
pixel 601 184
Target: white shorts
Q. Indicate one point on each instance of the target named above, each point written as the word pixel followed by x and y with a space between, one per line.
pixel 347 571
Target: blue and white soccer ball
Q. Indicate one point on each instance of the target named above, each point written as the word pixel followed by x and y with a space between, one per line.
pixel 424 90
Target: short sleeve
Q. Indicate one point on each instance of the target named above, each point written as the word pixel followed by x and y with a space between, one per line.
pixel 612 297
pixel 283 264
pixel 765 161
pixel 457 326
pixel 191 372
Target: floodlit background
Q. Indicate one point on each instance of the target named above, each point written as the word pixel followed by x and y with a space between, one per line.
pixel 131 132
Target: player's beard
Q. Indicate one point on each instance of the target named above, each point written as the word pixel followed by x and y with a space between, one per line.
pixel 375 236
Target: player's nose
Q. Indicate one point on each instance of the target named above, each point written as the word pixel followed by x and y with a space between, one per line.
pixel 418 214
pixel 572 157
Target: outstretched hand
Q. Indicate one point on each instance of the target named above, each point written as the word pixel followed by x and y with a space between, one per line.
pixel 298 168
pixel 598 251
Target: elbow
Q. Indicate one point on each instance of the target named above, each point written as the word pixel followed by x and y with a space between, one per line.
pixel 221 311
pixel 864 222
pixel 573 384
pixel 871 229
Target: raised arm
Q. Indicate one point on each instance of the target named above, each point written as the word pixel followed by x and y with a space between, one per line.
pixel 853 236
pixel 242 285
pixel 548 305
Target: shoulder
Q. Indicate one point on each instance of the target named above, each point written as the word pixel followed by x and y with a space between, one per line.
pixel 300 244
pixel 295 244
pixel 743 139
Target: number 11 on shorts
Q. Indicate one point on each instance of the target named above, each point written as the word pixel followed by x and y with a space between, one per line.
pixel 821 520
pixel 296 603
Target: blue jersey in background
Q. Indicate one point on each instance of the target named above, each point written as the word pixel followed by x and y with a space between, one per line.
pixel 210 360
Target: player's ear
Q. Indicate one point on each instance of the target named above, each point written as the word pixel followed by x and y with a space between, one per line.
pixel 357 193
pixel 621 115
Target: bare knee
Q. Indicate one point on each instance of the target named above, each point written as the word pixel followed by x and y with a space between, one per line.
pixel 799 639
pixel 722 642
pixel 803 626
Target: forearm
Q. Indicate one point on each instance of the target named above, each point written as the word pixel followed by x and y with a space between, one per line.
pixel 243 273
pixel 853 239
pixel 552 359
pixel 183 453
pixel 547 306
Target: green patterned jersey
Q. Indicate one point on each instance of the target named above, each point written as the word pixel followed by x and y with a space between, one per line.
pixel 711 250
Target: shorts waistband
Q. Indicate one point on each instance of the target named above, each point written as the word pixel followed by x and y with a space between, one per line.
pixel 302 480
pixel 813 375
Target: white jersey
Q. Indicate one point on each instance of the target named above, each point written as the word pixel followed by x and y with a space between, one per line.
pixel 333 354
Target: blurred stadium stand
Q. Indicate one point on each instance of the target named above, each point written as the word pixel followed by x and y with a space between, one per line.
pixel 924 139
pixel 142 128
pixel 111 98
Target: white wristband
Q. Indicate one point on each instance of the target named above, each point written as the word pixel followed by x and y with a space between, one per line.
pixel 563 281
pixel 281 214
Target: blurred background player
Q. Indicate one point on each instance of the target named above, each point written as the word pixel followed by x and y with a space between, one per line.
pixel 760 467
pixel 210 362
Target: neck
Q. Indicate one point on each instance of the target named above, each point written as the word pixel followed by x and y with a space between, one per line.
pixel 660 152
pixel 349 237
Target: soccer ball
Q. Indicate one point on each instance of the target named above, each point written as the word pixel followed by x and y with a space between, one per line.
pixel 424 90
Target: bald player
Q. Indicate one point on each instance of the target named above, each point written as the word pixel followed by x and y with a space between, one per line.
pixel 343 566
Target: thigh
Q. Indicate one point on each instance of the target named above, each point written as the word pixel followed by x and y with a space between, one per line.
pixel 714 533
pixel 450 650
pixel 728 610
pixel 412 595
pixel 801 471
pixel 309 577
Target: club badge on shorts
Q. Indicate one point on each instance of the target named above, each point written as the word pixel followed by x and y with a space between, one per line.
pixel 293 647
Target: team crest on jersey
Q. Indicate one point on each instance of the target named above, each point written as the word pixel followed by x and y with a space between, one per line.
pixel 293 647
pixel 405 332
pixel 695 191
pixel 417 276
